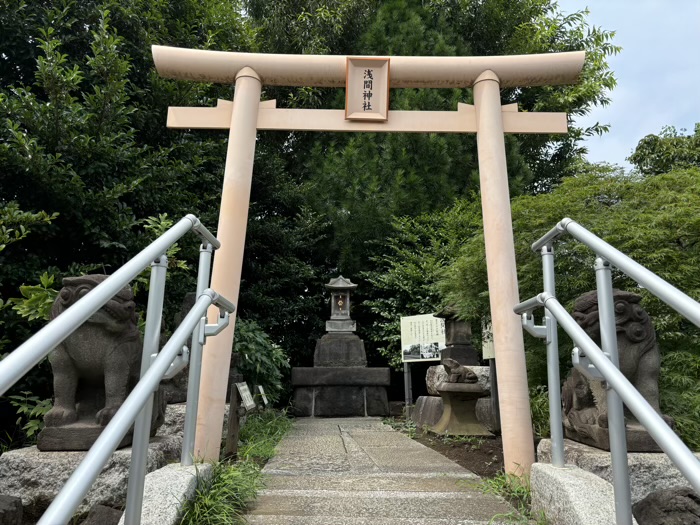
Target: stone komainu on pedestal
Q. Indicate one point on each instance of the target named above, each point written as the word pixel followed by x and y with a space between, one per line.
pixel 94 369
pixel 584 401
pixel 340 384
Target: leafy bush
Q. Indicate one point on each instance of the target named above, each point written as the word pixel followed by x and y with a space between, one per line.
pixel 679 384
pixel 31 411
pixel 222 500
pixel 262 361
pixel 261 433
pixel 539 408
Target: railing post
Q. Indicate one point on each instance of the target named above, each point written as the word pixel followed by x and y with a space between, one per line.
pixel 142 426
pixel 187 456
pixel 616 416
pixel 553 379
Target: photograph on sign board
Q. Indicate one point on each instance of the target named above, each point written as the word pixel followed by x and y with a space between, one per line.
pixel 422 338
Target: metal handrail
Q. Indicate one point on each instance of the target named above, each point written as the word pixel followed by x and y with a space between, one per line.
pixel 665 291
pixel 25 357
pixel 604 363
pixel 137 407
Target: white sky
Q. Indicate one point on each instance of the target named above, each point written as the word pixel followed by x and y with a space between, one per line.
pixel 658 71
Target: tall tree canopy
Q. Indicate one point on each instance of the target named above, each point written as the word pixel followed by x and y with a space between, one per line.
pixel 83 138
pixel 360 182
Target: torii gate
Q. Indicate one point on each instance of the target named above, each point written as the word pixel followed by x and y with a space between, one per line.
pixel 487 118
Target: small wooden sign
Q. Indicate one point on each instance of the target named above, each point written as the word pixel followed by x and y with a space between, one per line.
pixel 262 395
pixel 367 89
pixel 246 398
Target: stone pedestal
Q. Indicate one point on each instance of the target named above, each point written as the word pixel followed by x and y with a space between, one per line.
pixel 340 384
pixel 459 414
pixel 638 439
pixel 427 411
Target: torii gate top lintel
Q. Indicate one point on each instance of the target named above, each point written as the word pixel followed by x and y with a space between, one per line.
pixel 406 71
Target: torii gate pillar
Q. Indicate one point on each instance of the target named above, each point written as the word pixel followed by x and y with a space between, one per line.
pixel 516 423
pixel 228 263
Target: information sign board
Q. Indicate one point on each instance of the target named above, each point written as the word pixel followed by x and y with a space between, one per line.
pixel 422 338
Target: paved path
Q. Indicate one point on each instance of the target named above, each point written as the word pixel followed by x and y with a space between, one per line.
pixel 359 471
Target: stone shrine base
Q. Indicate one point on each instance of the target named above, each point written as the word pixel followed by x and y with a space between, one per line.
pixel 649 471
pixel 340 392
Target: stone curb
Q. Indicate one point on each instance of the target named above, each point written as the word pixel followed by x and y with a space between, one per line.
pixel 571 496
pixel 166 491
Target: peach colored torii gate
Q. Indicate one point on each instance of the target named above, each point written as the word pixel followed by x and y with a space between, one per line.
pixel 487 118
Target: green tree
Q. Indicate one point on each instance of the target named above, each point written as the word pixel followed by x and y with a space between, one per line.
pixel 362 181
pixel 668 150
pixel 406 276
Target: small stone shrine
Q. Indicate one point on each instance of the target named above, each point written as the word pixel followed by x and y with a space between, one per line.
pixel 584 401
pixel 94 369
pixel 340 384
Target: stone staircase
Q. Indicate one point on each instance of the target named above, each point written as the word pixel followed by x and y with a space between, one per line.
pixel 359 471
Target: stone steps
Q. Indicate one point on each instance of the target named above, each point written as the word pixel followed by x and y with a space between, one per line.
pixel 335 520
pixel 358 471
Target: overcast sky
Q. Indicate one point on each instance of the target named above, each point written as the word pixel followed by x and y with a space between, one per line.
pixel 658 71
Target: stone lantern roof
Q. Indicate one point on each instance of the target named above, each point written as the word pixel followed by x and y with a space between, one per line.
pixel 340 283
pixel 448 312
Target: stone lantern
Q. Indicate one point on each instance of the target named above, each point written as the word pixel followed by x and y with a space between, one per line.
pixel 340 384
pixel 340 321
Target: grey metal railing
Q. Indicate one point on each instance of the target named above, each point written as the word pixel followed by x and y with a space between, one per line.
pixel 603 363
pixel 155 366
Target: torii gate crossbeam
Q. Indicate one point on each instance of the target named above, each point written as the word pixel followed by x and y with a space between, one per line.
pixel 487 118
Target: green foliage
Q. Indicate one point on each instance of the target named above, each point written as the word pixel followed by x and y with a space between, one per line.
pixel 679 384
pixel 157 226
pixel 652 220
pixel 222 500
pixel 15 224
pixel 515 489
pixel 262 361
pixel 403 425
pixel 666 151
pixel 404 281
pixel 539 409
pixel 261 434
pixel 362 182
pixel 30 411
pixel 37 300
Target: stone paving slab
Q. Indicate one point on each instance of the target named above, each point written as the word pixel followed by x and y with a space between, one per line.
pixel 358 471
pixel 378 505
pixel 411 460
pixel 384 439
pixel 335 520
pixel 364 483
